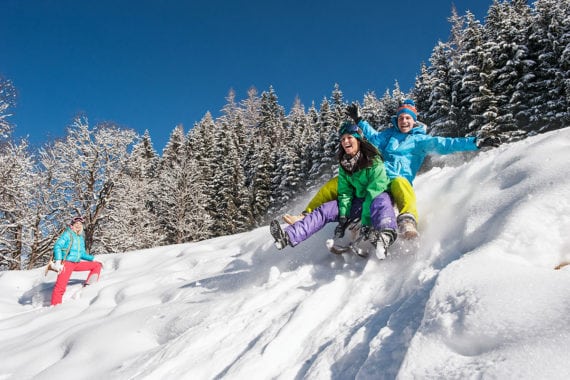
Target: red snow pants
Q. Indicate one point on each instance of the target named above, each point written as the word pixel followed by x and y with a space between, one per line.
pixel 69 267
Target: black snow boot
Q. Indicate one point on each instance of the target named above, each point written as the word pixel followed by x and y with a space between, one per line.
pixel 280 236
pixel 381 241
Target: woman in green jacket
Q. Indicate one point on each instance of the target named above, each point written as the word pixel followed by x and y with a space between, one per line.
pixel 362 185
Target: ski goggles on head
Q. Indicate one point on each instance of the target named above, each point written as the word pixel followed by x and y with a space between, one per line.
pixel 351 129
pixel 77 219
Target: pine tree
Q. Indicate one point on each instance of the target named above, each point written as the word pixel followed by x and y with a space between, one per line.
pixel 300 136
pixel 506 35
pixel 440 107
pixel 261 185
pixel 201 144
pixel 422 91
pixel 308 141
pixel 130 223
pixel 250 116
pixel 179 201
pixel 269 139
pixel 370 109
pixel 549 40
pixel 319 155
pixel 331 125
pixel 233 213
pixel 228 178
pixel 242 218
pixel 389 107
pixel 468 101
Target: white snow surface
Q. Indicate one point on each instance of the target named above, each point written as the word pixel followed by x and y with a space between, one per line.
pixel 479 299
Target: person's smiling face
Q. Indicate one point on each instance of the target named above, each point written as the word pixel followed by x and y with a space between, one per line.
pixel 350 144
pixel 77 227
pixel 405 123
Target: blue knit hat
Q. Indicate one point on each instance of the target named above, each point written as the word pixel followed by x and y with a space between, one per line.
pixel 351 129
pixel 408 106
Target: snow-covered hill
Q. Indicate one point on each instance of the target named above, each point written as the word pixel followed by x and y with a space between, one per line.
pixel 478 299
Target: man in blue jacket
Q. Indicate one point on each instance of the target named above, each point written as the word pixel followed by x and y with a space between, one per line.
pixel 68 251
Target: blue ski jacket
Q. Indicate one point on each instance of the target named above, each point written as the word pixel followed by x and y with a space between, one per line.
pixel 404 153
pixel 72 245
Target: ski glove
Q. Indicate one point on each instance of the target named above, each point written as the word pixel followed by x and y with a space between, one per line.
pixel 489 141
pixel 353 112
pixel 57 266
pixel 339 230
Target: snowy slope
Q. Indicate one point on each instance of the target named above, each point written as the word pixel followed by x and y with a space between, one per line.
pixel 478 299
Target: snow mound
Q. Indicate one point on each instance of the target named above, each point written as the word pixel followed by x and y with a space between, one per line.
pixel 478 299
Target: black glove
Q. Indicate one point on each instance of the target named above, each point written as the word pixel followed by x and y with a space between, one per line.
pixel 353 112
pixel 342 224
pixel 489 141
pixel 365 232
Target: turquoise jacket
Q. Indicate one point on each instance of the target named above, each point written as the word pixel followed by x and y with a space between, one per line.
pixel 365 183
pixel 72 242
pixel 404 153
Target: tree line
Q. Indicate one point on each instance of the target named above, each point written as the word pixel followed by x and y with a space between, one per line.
pixel 508 76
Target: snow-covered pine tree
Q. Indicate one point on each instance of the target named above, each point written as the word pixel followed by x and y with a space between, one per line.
pixel 372 110
pixel 549 42
pixel 476 103
pixel 458 117
pixel 386 107
pixel 261 185
pixel 440 105
pixel 179 201
pixel 338 105
pixel 271 128
pixel 199 166
pixel 271 134
pixel 337 117
pixel 506 39
pixel 300 136
pixel 201 143
pixel 168 199
pixel 320 157
pixel 228 179
pixel 422 91
pixel 129 222
pixel 229 173
pixel 393 102
pixel 310 140
pixel 242 219
pixel 251 117
pixel 467 103
pixel 331 117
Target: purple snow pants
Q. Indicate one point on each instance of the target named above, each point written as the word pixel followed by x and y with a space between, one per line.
pixel 381 213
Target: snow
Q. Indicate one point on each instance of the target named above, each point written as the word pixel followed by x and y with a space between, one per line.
pixel 479 299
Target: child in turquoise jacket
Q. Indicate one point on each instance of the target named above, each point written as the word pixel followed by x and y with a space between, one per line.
pixel 68 251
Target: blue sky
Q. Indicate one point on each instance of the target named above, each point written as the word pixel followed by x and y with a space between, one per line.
pixel 155 64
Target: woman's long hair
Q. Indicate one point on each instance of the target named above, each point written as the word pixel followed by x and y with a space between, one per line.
pixel 368 153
